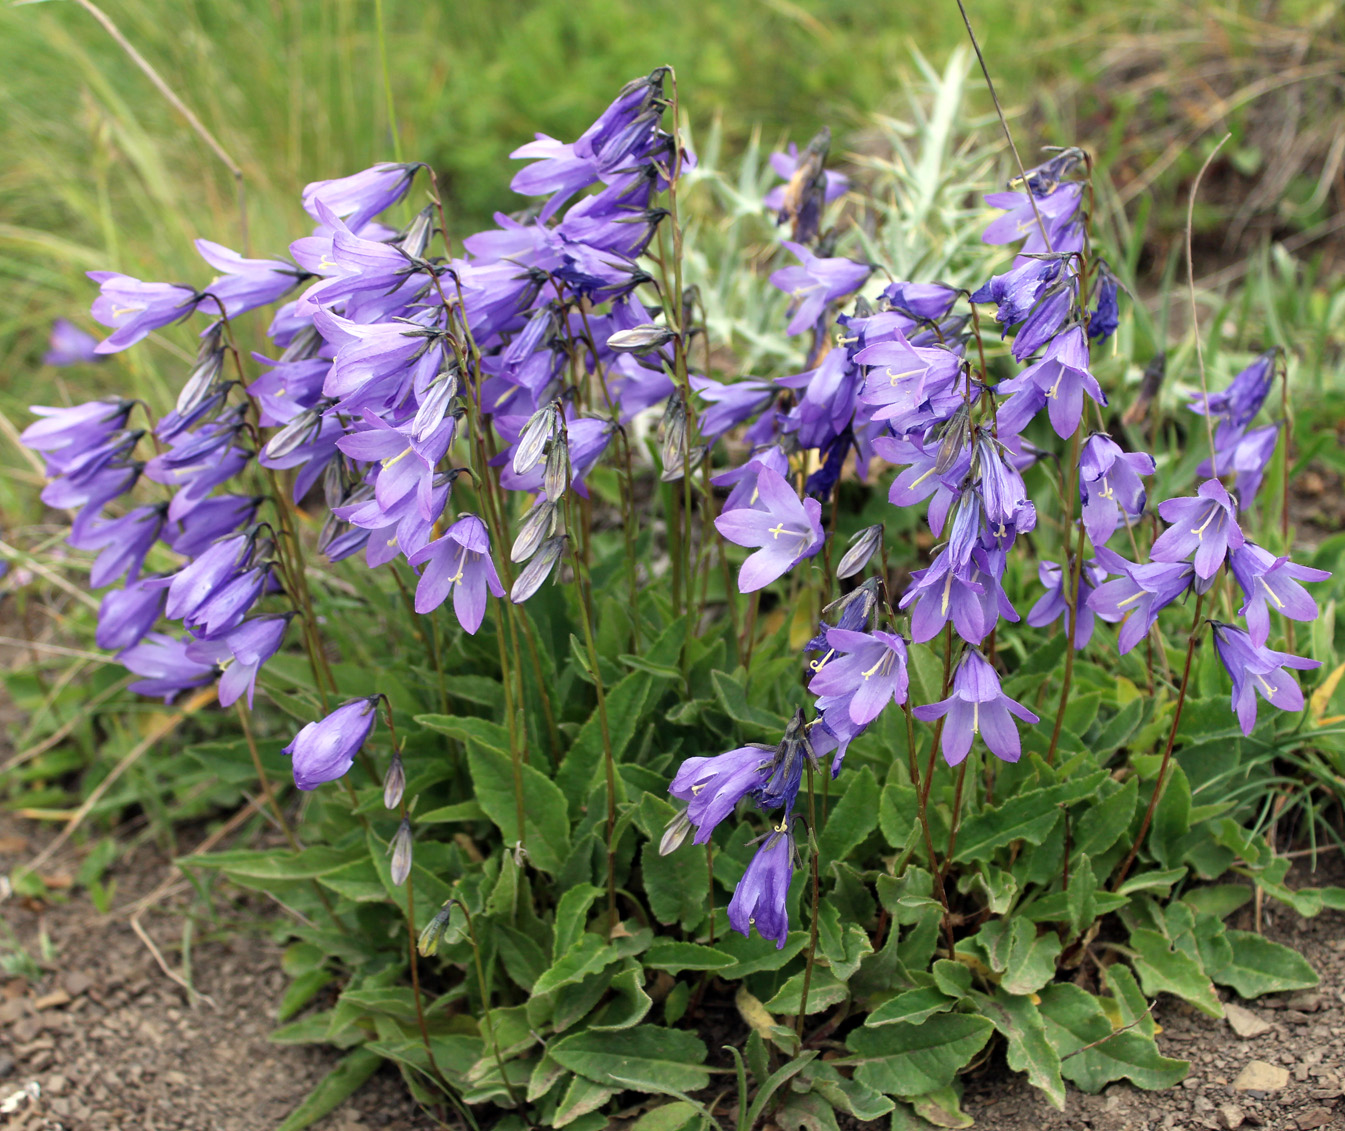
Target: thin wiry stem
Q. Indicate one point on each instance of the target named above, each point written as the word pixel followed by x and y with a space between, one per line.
pixel 1191 291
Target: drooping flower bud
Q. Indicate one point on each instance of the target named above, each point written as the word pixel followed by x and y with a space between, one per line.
pixel 536 571
pixel 862 547
pixel 538 524
pixel 401 853
pixel 640 339
pixel 394 782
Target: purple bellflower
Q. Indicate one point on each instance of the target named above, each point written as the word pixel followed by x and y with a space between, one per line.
pixel 134 309
pixel 1246 454
pixel 977 706
pixel 1246 393
pixel 245 284
pixel 126 615
pixel 1138 594
pixel 785 165
pixel 69 345
pixel 759 899
pixel 868 673
pixel 1062 375
pixel 323 751
pixel 1267 580
pixel 363 195
pixel 164 666
pixel 1111 485
pixel 1206 526
pixel 459 562
pixel 787 530
pixel 67 434
pixel 1054 605
pixel 241 654
pixel 816 283
pixel 1258 671
pixel 123 543
pixel 711 787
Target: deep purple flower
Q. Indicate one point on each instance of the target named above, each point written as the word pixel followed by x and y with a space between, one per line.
pixel 459 561
pixel 999 484
pixel 1058 211
pixel 1245 394
pixel 134 309
pixel 94 477
pixel 1206 526
pixel 1053 604
pixel 970 595
pixel 977 706
pixel 363 195
pixel 325 750
pixel 787 530
pixel 785 164
pixel 921 302
pixel 192 585
pixel 1267 580
pixel 1138 594
pixel 1062 374
pixel 164 665
pixel 869 673
pixel 1106 314
pixel 225 607
pixel 1016 291
pixel 759 899
pixel 126 615
pixel 245 284
pixel 1110 482
pixel 1258 671
pixel 921 479
pixel 1047 315
pixel 211 519
pixel 240 654
pixel 910 386
pixel 711 787
pixel 817 282
pixel 69 345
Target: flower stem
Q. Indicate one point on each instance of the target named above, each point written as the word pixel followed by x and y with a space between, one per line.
pixel 485 1005
pixel 1072 597
pixel 812 927
pixel 1167 750
pixel 515 756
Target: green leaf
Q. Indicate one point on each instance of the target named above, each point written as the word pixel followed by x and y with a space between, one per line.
pixel 546 825
pixel 851 819
pixel 581 1097
pixel 1260 966
pixel 1164 969
pixel 1219 900
pixel 448 814
pixel 913 1007
pixel 941 1107
pixel 909 1060
pixel 1081 898
pixel 1153 881
pixel 587 956
pixel 842 945
pixel 524 961
pixel 645 1056
pixel 1030 962
pixel 757 725
pixel 1027 816
pixel 807 1112
pixel 629 1004
pixel 1074 1020
pixel 667 1117
pixel 572 917
pixel 1117 730
pixel 772 1084
pixel 468 728
pixel 675 956
pixel 1101 825
pixel 898 813
pixel 824 991
pixel 333 1089
pixel 279 867
pixel 1020 1023
pixel 754 955
pixel 1172 819
pixel 952 978
pixel 847 1095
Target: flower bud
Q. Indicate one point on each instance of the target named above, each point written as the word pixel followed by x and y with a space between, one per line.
pixel 556 475
pixel 394 783
pixel 862 547
pixel 428 943
pixel 401 853
pixel 538 524
pixel 416 236
pixel 675 833
pixel 536 571
pixel 640 339
pixel 532 442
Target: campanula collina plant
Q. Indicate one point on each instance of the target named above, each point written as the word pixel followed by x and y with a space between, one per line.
pixel 731 757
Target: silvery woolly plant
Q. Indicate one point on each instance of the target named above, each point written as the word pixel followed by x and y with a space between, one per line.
pixel 485 418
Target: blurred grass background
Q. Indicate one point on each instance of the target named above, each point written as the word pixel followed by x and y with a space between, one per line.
pixel 101 171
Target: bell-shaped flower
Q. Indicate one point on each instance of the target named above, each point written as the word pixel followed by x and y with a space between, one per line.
pixel 921 480
pixel 1246 455
pixel 786 530
pixel 1246 393
pixel 977 706
pixel 711 787
pixel 69 345
pixel 363 195
pixel 1054 604
pixel 816 283
pixel 240 654
pixel 1270 581
pixel 323 751
pixel 164 666
pixel 1205 526
pixel 66 433
pixel 123 543
pixel 126 615
pixel 867 673
pixel 971 596
pixel 1062 375
pixel 245 284
pixel 134 309
pixel 1111 485
pixel 759 899
pixel 1258 671
pixel 459 563
pixel 1138 594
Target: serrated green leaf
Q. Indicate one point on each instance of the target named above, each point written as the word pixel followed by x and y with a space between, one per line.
pixel 913 1007
pixel 1164 969
pixel 898 813
pixel 1075 1020
pixel 546 834
pixel 644 1056
pixel 667 1117
pixel 755 955
pixel 1172 819
pixel 676 956
pixel 588 955
pixel 1020 1023
pixel 572 916
pixel 1101 825
pixel 582 1096
pixel 1259 966
pixel 851 819
pixel 333 1089
pixel 941 1108
pixel 909 1060
pixel 824 991
pixel 629 1004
